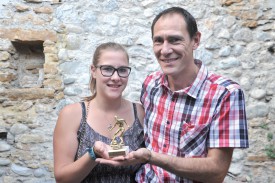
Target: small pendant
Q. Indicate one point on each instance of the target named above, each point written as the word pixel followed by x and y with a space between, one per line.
pixel 109 126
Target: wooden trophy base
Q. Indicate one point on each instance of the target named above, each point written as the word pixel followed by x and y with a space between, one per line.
pixel 119 152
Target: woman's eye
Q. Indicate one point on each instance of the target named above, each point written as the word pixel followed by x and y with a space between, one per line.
pixel 121 70
pixel 108 69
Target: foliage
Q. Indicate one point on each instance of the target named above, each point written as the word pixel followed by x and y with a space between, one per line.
pixel 269 136
pixel 270 151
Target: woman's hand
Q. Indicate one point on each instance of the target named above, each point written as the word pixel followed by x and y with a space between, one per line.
pixel 101 150
pixel 139 156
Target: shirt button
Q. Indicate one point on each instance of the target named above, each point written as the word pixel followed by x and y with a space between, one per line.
pixel 164 145
pixel 168 122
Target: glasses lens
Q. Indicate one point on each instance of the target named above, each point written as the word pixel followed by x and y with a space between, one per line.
pixel 123 71
pixel 107 70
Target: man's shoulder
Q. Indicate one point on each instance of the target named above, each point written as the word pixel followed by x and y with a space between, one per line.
pixel 223 81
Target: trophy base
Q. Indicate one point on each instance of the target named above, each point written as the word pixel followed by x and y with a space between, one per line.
pixel 119 152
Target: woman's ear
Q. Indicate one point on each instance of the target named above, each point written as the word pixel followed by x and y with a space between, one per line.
pixel 93 69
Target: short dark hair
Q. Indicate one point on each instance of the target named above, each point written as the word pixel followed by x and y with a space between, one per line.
pixel 189 19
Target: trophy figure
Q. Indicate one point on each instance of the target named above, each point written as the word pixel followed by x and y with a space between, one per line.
pixel 118 148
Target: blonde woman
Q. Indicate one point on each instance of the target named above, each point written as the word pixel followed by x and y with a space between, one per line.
pixel 82 131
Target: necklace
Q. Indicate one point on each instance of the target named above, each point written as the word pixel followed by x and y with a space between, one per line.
pixel 110 126
pixel 87 110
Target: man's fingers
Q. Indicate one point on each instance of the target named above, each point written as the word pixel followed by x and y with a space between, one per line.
pixel 118 158
pixel 109 162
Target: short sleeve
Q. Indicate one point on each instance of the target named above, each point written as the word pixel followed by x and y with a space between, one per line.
pixel 229 125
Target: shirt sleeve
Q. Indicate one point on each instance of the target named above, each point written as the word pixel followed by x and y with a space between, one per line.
pixel 229 125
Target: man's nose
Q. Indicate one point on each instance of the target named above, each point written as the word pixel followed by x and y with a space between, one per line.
pixel 166 48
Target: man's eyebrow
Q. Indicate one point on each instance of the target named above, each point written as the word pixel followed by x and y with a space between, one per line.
pixel 175 36
pixel 157 37
pixel 169 37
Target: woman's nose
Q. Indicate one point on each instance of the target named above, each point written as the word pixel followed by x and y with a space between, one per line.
pixel 115 76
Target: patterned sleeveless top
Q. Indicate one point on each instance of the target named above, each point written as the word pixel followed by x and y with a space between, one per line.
pixel 133 137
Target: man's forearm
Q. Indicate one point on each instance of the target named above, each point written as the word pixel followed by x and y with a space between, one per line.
pixel 209 169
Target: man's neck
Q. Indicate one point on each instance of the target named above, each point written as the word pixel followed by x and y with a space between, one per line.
pixel 183 80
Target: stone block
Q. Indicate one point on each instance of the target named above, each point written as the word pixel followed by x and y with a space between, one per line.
pixel 258 93
pixel 30 82
pixel 59 96
pixel 21 7
pixel 6 45
pixel 28 93
pixel 243 35
pixel 46 10
pixel 20 170
pixel 73 42
pixel 30 138
pixel 34 1
pixel 48 164
pixel 17 129
pixel 53 83
pixel 4 162
pixel 39 172
pixel 4 147
pixel 250 23
pixel 50 49
pixel 5 65
pixel 230 2
pixel 51 58
pixel 4 56
pixel 257 158
pixel 7 77
pixel 15 34
pixel 48 43
pixel 50 69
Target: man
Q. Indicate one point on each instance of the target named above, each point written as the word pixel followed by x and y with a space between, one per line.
pixel 194 118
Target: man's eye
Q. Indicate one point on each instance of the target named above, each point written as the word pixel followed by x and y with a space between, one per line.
pixel 174 40
pixel 157 40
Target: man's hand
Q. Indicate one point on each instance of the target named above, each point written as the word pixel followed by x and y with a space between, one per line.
pixel 135 157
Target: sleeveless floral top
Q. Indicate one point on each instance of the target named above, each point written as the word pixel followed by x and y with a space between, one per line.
pixel 133 137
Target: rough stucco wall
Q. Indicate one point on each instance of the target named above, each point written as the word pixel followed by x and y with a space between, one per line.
pixel 237 41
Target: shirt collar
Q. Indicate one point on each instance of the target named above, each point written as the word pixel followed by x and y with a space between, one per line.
pixel 194 89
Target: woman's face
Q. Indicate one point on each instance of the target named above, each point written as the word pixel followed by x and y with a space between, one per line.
pixel 111 73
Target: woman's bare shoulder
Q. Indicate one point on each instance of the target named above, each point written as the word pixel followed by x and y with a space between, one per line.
pixel 71 109
pixel 70 114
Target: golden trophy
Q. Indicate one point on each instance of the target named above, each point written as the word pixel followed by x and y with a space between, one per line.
pixel 118 148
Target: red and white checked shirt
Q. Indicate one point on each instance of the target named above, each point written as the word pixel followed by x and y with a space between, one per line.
pixel 208 114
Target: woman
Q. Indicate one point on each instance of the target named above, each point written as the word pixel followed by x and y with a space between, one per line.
pixel 82 127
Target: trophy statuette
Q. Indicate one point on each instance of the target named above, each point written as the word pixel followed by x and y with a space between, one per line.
pixel 118 148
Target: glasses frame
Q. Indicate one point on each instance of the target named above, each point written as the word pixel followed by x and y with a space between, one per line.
pixel 115 70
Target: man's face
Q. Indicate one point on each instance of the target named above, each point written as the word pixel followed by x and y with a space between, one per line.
pixel 172 44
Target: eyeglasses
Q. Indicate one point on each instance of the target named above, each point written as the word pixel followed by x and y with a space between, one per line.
pixel 108 71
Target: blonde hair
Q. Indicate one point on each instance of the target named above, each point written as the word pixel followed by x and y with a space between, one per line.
pixel 97 54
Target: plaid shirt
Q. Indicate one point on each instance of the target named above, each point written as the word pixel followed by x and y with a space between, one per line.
pixel 208 114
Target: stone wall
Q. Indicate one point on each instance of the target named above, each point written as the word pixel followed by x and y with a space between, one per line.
pixel 46 48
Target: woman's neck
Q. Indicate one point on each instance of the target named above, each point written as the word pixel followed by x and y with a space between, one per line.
pixel 107 104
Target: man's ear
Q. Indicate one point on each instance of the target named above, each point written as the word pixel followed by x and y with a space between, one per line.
pixel 196 40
